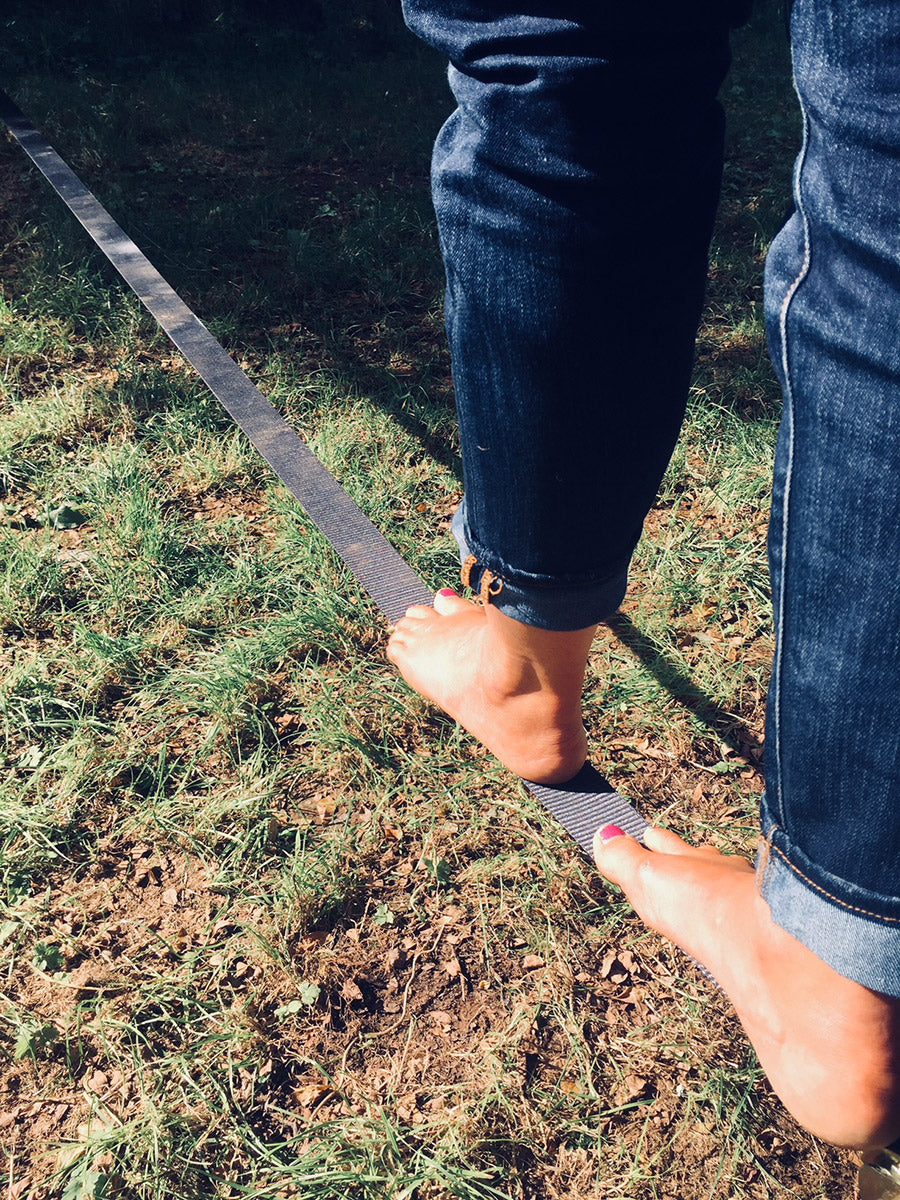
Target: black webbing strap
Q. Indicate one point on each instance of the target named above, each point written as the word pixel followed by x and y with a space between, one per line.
pixel 582 806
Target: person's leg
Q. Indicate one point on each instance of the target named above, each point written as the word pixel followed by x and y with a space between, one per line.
pixel 812 958
pixel 575 188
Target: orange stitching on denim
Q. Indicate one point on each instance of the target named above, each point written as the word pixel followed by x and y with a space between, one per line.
pixel 837 900
pixel 490 586
pixel 465 572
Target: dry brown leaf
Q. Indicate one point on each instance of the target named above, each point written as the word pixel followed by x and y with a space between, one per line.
pixel 630 1088
pixel 98 1083
pixel 95 1126
pixel 394 958
pixel 609 960
pixel 311 1094
pixel 325 811
pixel 531 962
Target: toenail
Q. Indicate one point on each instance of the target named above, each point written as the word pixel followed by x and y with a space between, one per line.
pixel 608 832
pixel 446 592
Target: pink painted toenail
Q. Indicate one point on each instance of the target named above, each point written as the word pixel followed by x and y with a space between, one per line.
pixel 608 832
pixel 446 592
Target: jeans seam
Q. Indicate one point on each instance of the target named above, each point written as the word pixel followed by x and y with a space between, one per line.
pixel 865 912
pixel 789 404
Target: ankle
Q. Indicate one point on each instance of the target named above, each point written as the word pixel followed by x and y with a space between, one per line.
pixel 521 659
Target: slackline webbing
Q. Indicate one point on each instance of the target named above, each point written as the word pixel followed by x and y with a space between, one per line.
pixel 583 805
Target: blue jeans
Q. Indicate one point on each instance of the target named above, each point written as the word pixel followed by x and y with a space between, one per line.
pixel 830 867
pixel 575 188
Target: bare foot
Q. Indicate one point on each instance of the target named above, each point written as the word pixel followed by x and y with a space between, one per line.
pixel 516 688
pixel 830 1047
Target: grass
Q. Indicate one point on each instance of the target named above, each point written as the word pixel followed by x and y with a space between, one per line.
pixel 269 926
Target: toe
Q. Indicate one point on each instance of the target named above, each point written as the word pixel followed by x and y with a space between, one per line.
pixel 666 841
pixel 418 612
pixel 446 602
pixel 618 857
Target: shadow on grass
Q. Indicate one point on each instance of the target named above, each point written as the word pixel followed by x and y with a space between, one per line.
pixel 730 729
pixel 415 417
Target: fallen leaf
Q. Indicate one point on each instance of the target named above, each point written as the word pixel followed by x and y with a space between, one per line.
pixel 617 966
pixel 98 1083
pixel 630 1088
pixel 394 958
pixel 531 961
pixel 311 1094
pixel 286 721
pixel 462 934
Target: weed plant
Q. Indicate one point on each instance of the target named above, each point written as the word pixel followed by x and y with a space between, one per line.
pixel 269 926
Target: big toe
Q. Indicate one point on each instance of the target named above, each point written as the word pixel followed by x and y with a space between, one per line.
pixel 447 602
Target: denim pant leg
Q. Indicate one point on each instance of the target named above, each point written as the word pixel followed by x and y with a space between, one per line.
pixel 830 864
pixel 575 188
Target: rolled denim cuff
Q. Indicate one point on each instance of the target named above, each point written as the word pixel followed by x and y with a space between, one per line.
pixel 546 602
pixel 856 933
